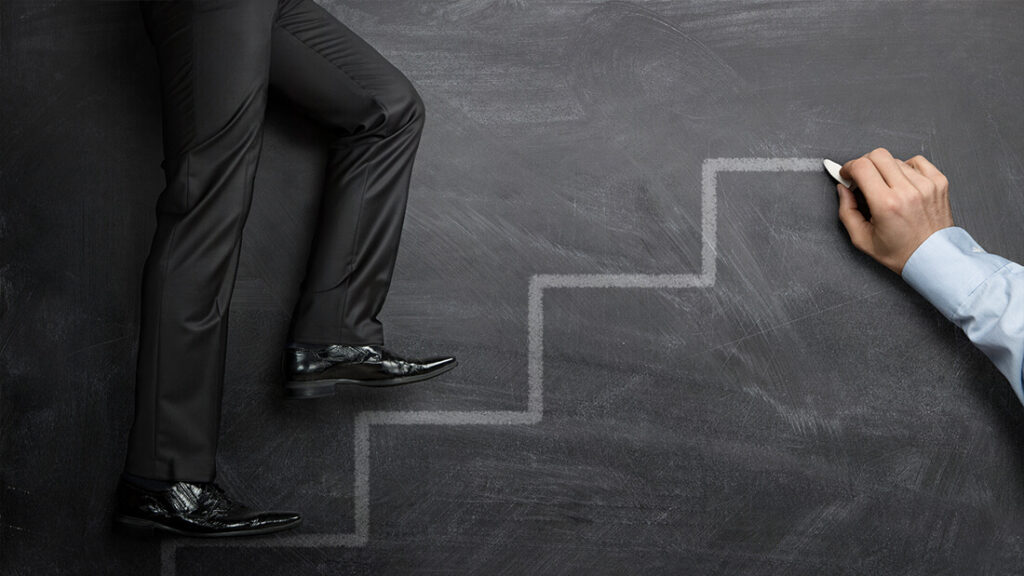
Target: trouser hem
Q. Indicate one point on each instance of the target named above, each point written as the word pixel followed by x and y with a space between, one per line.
pixel 173 471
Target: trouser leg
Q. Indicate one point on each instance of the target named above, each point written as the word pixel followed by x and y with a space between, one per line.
pixel 214 60
pixel 377 118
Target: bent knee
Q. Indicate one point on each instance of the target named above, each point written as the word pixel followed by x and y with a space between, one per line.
pixel 401 108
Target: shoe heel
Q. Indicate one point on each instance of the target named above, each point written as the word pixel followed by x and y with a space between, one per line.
pixel 315 389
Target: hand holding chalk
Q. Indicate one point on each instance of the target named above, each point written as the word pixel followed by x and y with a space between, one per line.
pixel 833 171
pixel 908 201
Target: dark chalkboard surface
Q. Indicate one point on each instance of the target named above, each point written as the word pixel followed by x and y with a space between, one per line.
pixel 671 359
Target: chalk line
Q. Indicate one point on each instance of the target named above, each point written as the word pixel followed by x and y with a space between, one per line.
pixel 534 412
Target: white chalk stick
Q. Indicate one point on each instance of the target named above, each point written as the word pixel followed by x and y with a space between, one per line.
pixel 833 170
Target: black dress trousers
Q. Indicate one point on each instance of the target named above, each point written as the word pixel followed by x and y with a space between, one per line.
pixel 217 59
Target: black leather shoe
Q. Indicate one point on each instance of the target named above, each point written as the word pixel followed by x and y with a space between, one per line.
pixel 194 509
pixel 314 372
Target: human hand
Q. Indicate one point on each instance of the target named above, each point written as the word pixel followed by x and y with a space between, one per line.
pixel 908 201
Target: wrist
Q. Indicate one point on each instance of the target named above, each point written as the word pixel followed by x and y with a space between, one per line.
pixel 912 248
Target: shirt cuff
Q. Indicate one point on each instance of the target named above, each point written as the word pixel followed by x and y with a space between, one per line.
pixel 948 266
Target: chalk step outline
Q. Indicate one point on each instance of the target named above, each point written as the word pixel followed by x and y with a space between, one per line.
pixel 534 412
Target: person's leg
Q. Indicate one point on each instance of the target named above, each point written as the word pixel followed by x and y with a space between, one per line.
pixel 214 58
pixel 338 79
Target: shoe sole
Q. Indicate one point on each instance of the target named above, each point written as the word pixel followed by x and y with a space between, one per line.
pixel 322 388
pixel 151 527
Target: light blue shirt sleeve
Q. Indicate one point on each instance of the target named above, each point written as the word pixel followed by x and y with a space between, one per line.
pixel 981 293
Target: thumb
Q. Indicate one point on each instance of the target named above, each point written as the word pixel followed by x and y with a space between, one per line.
pixel 856 226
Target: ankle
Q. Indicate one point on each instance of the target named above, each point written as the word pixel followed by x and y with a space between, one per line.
pixel 146 483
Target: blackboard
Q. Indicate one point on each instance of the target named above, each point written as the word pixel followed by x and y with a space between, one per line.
pixel 671 359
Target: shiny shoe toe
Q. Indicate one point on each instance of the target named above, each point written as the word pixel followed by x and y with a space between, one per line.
pixel 316 372
pixel 194 509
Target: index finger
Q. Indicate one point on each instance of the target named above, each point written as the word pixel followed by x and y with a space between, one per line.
pixel 864 172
